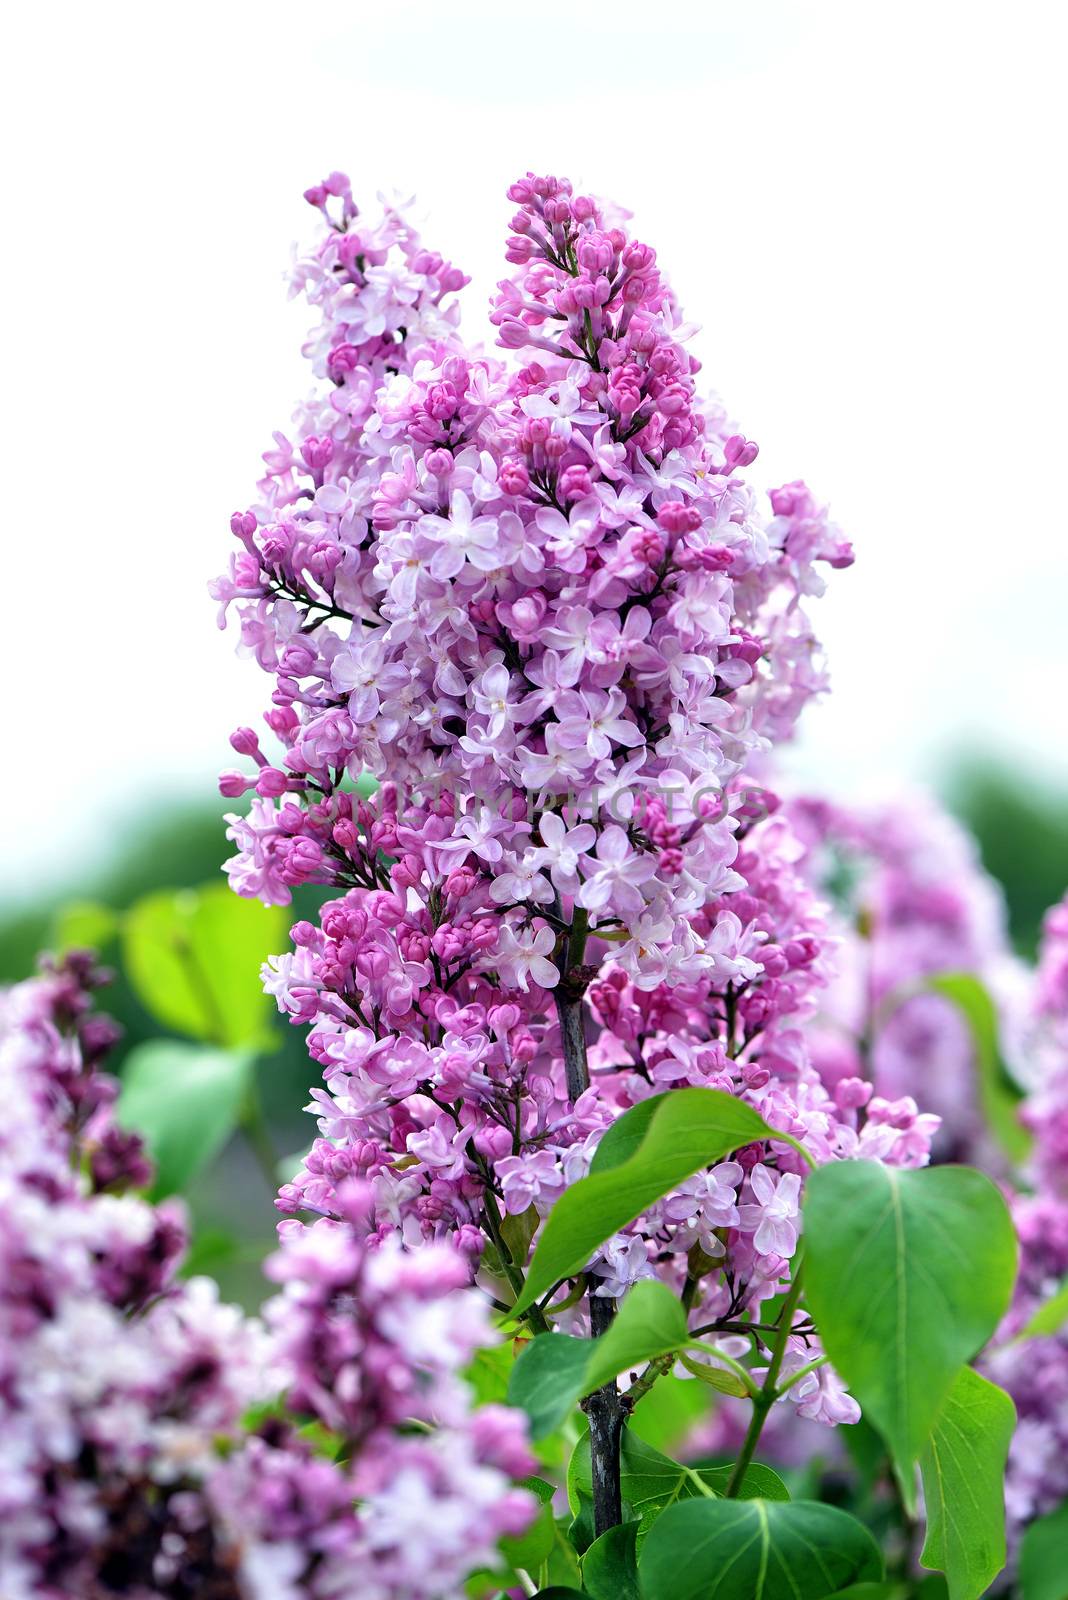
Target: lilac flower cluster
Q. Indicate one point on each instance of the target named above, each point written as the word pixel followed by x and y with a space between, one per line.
pixel 114 1382
pixel 1046 1112
pixel 484 1104
pixel 553 586
pixel 125 1464
pixel 913 903
pixel 419 1489
pixel 1035 1369
pixel 540 603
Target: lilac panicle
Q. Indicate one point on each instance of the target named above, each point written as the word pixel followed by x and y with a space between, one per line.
pixel 536 597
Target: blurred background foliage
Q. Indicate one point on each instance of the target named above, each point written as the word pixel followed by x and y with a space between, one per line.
pixel 1021 826
pixel 221 1090
pixel 153 900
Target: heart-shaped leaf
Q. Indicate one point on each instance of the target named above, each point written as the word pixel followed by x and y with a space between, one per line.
pixel 649 1480
pixel 650 1322
pixel 528 1550
pixel 547 1378
pixel 907 1275
pixel 755 1550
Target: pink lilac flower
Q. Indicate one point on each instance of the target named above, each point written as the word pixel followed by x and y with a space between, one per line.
pixel 772 1215
pixel 818 1396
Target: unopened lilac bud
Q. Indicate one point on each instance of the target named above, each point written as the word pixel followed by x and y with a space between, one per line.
pixel 234 784
pixel 243 524
pixel 514 478
pixel 245 741
pixel 851 1093
pixel 317 453
pixel 440 463
pixel 272 783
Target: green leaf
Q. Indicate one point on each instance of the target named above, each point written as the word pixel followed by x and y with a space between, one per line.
pixel 907 1274
pixel 719 1378
pixel 547 1379
pixel 528 1550
pixel 649 1480
pixel 562 1566
pixel 194 959
pixel 874 1591
pixel 1044 1558
pixel 621 1139
pixel 759 1483
pixel 999 1093
pixel 581 1531
pixel 755 1550
pixel 963 1467
pixel 488 1373
pixel 1050 1317
pixel 559 1593
pixel 517 1232
pixel 650 1322
pixel 610 1565
pixel 689 1129
pixel 555 1370
pixel 185 1100
pixel 84 925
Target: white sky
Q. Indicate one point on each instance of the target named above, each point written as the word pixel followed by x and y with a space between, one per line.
pixel 862 204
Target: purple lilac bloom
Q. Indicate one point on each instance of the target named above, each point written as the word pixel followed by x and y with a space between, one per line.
pixel 115 1380
pixel 538 599
pixel 125 1465
pixel 1035 1370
